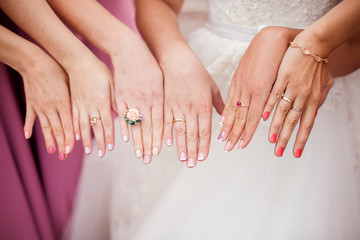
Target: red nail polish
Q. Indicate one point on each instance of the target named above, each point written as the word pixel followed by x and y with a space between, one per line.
pixel 316 113
pixel 280 151
pixel 266 115
pixel 273 138
pixel 50 149
pixel 298 153
pixel 62 156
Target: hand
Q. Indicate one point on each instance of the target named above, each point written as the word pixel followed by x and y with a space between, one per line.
pixel 305 83
pixel 47 95
pixel 91 95
pixel 139 84
pixel 251 85
pixel 190 93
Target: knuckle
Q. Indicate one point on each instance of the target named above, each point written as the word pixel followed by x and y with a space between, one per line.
pixel 308 127
pixel 58 132
pixel 204 134
pixel 67 127
pixel 46 129
pixel 180 131
pixel 84 126
pixel 158 124
pixel 252 119
pixel 204 106
pixel 192 136
pixel 107 123
pixel 291 123
pixel 275 94
pixel 283 110
pixel 146 129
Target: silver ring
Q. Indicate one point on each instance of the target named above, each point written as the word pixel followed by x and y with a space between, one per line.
pixel 286 99
pixel 296 109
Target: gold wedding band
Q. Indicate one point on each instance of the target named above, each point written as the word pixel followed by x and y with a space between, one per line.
pixel 286 99
pixel 179 120
pixel 93 119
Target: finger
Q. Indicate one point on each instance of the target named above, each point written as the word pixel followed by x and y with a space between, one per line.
pixel 76 122
pixel 306 124
pixel 217 100
pixel 228 117
pixel 58 132
pixel 275 95
pixel 137 140
pixel 98 130
pixel 238 128
pixel 146 131
pixel 157 126
pixel 180 135
pixel 288 126
pixel 204 121
pixel 168 126
pixel 108 124
pixel 47 133
pixel 85 131
pixel 192 133
pixel 29 121
pixel 124 127
pixel 64 113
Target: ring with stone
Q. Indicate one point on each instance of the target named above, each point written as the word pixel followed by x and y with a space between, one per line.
pixel 133 116
pixel 93 119
pixel 241 104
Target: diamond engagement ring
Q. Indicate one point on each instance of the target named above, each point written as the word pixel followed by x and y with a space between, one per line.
pixel 133 116
pixel 93 119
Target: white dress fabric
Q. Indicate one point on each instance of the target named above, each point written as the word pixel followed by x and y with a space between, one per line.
pixel 247 194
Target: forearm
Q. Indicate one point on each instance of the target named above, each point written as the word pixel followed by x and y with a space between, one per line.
pixel 333 29
pixel 41 23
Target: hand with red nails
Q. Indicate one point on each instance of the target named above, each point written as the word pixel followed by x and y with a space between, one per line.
pixel 46 91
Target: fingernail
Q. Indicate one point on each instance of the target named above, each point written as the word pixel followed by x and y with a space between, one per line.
pixel 241 145
pixel 87 150
pixel 100 153
pixel 27 135
pixel 182 156
pixel 62 156
pixel 146 159
pixel 138 153
pixel 222 120
pixel 298 153
pixel 110 146
pixel 77 137
pixel 168 142
pixel 227 147
pixel 266 115
pixel 201 156
pixel 221 136
pixel 155 151
pixel 50 149
pixel 191 162
pixel 67 149
pixel 273 138
pixel 280 151
pixel 125 138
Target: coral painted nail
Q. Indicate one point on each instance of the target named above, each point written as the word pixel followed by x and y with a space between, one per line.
pixel 222 120
pixel 298 153
pixel 51 149
pixel 280 152
pixel 273 138
pixel 266 115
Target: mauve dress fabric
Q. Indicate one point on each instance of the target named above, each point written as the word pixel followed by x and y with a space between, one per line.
pixel 36 189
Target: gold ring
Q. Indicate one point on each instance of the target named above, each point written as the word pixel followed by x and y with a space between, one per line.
pixel 286 99
pixel 296 109
pixel 93 119
pixel 179 120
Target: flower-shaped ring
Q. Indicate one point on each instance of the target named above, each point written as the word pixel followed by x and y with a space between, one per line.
pixel 133 116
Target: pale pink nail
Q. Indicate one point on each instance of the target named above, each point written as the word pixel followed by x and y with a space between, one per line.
pixel 125 138
pixel 168 142
pixel 222 120
pixel 201 156
pixel 67 149
pixel 27 135
pixel 241 145
pixel 146 159
pixel 182 156
pixel 138 153
pixel 191 162
pixel 62 156
pixel 87 150
pixel 110 146
pixel 221 136
pixel 50 149
pixel 77 137
pixel 227 147
pixel 155 151
pixel 100 153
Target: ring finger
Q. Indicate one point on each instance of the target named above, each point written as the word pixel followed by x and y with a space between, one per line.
pixel 180 135
pixel 97 126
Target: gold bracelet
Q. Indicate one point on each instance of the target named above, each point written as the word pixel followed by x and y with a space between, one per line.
pixel 307 52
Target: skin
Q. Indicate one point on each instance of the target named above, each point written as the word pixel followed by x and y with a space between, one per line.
pixel 138 80
pixel 89 79
pixel 46 90
pixel 184 75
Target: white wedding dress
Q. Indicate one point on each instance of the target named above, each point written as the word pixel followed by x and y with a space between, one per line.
pixel 247 194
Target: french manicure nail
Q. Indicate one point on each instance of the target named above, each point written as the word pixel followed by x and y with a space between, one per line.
pixel 27 135
pixel 62 156
pixel 50 149
pixel 280 151
pixel 221 136
pixel 241 145
pixel 168 142
pixel 191 162
pixel 67 149
pixel 77 137
pixel 110 146
pixel 87 150
pixel 125 138
pixel 182 156
pixel 146 159
pixel 227 147
pixel 155 151
pixel 100 153
pixel 138 153
pixel 266 115
pixel 273 138
pixel 201 156
pixel 222 120
pixel 298 153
